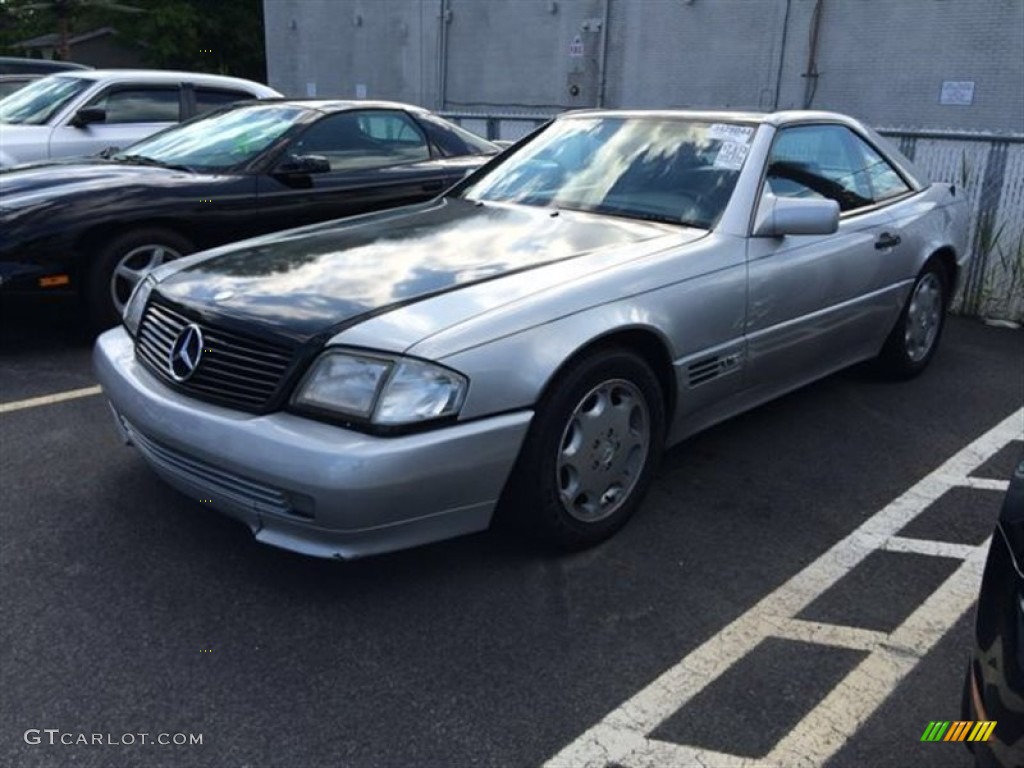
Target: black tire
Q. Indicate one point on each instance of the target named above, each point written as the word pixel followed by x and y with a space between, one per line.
pixel 607 378
pixel 128 247
pixel 915 337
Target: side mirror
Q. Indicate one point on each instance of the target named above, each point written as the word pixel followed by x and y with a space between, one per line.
pixel 779 216
pixel 304 164
pixel 88 115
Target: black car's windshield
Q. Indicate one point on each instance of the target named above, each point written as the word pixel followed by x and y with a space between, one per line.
pixel 37 102
pixel 661 169
pixel 221 140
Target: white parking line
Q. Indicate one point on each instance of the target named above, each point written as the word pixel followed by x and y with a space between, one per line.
pixel 621 738
pixel 987 484
pixel 60 397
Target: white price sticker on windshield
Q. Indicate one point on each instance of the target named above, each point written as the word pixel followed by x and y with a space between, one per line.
pixel 731 155
pixel 729 132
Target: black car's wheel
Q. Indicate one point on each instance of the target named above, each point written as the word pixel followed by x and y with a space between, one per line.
pixel 122 262
pixel 595 443
pixel 915 337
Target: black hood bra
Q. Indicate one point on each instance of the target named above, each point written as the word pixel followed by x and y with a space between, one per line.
pixel 303 283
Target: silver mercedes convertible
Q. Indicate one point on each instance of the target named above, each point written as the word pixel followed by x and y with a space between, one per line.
pixel 528 343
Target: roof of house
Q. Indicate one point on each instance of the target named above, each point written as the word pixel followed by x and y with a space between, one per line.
pixel 52 39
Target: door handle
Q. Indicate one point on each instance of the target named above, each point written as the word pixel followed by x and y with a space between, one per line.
pixel 887 240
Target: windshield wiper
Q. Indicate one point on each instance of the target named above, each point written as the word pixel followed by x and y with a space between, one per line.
pixel 629 213
pixel 143 160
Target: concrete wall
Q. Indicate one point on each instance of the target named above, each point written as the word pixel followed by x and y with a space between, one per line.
pixel 882 60
pixel 329 48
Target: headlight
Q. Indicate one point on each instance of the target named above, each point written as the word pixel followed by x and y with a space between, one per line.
pixel 136 303
pixel 418 391
pixel 385 391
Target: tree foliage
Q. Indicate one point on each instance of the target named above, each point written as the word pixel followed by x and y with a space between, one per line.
pixel 224 36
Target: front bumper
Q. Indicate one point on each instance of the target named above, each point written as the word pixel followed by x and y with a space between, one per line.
pixel 36 279
pixel 18 275
pixel 307 486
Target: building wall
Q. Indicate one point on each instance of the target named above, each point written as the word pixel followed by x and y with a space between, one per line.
pixel 107 52
pixel 331 47
pixel 882 60
pixel 100 52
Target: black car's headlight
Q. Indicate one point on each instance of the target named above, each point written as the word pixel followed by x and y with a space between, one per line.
pixel 136 303
pixel 381 390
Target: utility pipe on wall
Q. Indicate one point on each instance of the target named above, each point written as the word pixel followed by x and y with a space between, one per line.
pixel 444 17
pixel 602 58
pixel 811 75
pixel 782 55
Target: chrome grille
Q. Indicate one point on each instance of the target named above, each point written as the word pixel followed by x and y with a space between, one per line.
pixel 234 369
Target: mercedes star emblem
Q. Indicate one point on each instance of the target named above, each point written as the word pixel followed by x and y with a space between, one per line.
pixel 186 352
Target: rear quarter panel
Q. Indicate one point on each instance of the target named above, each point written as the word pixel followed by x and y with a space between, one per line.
pixel 931 221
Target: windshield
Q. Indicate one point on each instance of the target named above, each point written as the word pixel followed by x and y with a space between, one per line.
pixel 654 168
pixel 220 140
pixel 38 101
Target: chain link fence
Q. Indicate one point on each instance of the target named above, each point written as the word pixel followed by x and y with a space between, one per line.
pixel 987 168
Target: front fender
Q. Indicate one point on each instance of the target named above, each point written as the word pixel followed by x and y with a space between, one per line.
pixel 513 372
pixel 689 319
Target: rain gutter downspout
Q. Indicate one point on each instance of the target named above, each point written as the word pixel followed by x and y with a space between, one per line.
pixel 811 75
pixel 442 55
pixel 782 55
pixel 602 60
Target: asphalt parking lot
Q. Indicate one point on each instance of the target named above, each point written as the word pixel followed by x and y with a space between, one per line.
pixel 797 590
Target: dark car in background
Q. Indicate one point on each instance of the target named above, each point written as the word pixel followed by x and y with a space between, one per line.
pixel 16 72
pixel 10 83
pixel 994 688
pixel 16 65
pixel 95 226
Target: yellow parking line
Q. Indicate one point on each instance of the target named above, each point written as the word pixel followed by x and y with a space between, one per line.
pixel 34 402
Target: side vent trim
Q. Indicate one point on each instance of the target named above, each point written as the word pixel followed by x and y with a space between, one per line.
pixel 703 371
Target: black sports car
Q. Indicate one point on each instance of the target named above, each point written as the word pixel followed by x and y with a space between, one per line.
pixel 994 689
pixel 94 226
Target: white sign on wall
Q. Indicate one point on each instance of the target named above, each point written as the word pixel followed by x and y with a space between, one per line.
pixel 576 47
pixel 957 93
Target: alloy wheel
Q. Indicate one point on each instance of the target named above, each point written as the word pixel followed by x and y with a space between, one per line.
pixel 603 450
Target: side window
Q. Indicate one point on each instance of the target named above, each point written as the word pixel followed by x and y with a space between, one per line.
pixel 396 132
pixel 362 140
pixel 885 182
pixel 818 161
pixel 209 99
pixel 140 105
pixel 454 141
